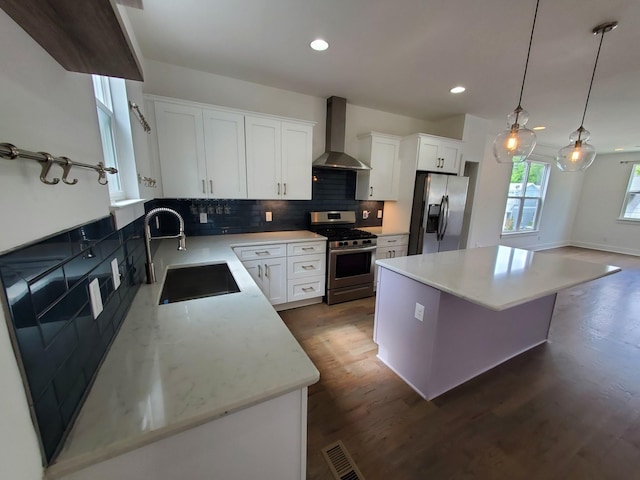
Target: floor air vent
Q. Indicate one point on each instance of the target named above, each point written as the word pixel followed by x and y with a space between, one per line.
pixel 340 462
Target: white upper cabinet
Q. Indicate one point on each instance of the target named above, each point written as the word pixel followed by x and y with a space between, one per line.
pixel 225 154
pixel 278 159
pixel 380 152
pixel 216 152
pixel 201 152
pixel 438 154
pixel 181 149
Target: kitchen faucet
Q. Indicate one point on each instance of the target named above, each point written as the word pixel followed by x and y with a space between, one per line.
pixel 151 274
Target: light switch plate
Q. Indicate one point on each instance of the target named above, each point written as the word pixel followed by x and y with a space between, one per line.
pixel 268 216
pixel 379 213
pixel 419 312
pixel 96 298
pixel 203 217
pixel 115 272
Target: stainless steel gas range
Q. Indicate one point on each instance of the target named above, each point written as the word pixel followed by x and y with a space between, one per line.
pixel 351 255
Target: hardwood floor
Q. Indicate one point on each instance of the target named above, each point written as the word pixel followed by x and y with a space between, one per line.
pixel 569 409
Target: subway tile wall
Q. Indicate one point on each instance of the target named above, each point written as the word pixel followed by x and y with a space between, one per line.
pixel 332 190
pixel 59 343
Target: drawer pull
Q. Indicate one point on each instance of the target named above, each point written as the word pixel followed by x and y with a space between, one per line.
pixel 307 248
pixel 391 241
pixel 264 252
pixel 308 289
pixel 308 267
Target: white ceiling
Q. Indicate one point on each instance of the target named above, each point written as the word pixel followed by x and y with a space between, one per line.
pixel 403 56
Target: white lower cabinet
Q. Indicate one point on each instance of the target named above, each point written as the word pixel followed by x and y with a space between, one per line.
pixel 390 246
pixel 271 276
pixel 287 272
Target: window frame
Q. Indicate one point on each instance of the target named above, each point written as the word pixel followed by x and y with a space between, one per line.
pixel 522 198
pixel 628 192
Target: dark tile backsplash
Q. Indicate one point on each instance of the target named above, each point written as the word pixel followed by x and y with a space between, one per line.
pixel 58 342
pixel 332 190
pixel 46 287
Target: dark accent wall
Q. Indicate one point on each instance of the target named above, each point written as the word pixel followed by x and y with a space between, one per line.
pixel 332 190
pixel 57 340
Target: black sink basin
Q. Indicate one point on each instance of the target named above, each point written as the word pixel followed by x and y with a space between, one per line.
pixel 188 283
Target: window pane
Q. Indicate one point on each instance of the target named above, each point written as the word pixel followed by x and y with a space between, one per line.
pixel 535 179
pixel 108 147
pixel 632 209
pixel 529 214
pixel 511 214
pixel 518 178
pixel 102 90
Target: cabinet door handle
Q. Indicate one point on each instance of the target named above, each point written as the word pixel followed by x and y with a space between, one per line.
pixel 203 189
pixel 278 188
pixel 259 271
pixel 211 185
pixel 371 191
pixel 307 289
pixel 394 254
pixel 266 271
pixel 308 267
pixel 285 188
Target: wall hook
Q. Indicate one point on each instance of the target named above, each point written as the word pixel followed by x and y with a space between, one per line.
pixel 102 174
pixel 46 166
pixel 66 168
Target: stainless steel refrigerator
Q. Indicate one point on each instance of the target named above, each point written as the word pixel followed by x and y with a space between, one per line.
pixel 438 212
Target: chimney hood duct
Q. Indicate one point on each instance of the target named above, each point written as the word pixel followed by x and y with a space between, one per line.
pixel 334 156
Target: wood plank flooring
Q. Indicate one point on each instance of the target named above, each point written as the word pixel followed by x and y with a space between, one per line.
pixel 569 409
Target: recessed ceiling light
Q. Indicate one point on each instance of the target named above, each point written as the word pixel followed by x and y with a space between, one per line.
pixel 619 149
pixel 539 128
pixel 319 45
pixel 458 89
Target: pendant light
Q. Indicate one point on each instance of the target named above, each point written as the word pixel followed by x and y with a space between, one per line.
pixel 578 155
pixel 517 142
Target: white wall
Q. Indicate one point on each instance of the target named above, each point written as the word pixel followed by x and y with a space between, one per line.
pixel 596 223
pixel 559 209
pixel 187 84
pixel 44 108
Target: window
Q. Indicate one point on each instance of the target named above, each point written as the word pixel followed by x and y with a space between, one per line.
pixel 107 121
pixel 631 205
pixel 526 196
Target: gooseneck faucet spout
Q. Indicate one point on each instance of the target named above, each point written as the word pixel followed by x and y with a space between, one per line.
pixel 182 245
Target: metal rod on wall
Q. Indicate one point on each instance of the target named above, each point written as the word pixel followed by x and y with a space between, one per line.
pixel 46 161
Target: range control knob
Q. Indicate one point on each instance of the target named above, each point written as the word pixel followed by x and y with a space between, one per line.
pixel 355 242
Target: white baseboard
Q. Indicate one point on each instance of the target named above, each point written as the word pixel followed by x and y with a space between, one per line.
pixel 607 248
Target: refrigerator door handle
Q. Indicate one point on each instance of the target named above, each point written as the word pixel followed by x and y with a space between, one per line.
pixel 446 217
pixel 440 230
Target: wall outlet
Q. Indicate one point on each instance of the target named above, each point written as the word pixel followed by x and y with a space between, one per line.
pixel 268 216
pixel 203 217
pixel 115 272
pixel 365 214
pixel 419 313
pixel 379 213
pixel 96 298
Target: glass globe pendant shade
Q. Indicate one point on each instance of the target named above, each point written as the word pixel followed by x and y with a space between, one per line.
pixel 576 156
pixel 514 145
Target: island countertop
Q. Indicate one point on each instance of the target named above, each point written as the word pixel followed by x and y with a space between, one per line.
pixel 175 366
pixel 497 277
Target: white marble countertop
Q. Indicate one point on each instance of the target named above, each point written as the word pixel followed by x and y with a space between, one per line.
pixel 173 367
pixel 497 277
pixel 383 232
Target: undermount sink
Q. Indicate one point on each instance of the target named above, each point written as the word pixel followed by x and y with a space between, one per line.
pixel 188 283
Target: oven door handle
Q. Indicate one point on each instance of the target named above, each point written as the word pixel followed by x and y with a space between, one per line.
pixel 351 250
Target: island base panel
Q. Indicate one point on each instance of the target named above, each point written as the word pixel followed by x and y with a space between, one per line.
pixel 457 339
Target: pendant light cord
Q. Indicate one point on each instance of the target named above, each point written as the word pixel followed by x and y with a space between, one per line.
pixel 526 65
pixel 592 77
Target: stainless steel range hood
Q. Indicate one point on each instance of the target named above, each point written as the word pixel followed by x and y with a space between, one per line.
pixel 334 157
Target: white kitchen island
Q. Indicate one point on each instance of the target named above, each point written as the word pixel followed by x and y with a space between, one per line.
pixel 481 307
